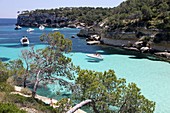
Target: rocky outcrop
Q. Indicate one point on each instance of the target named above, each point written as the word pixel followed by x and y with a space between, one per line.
pixel 88 31
pixel 46 19
pixel 83 33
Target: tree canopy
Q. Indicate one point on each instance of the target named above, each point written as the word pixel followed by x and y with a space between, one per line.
pixel 110 94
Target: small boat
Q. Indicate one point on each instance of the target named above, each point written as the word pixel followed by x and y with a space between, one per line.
pixel 41 27
pixel 72 36
pixel 96 56
pixel 55 29
pixel 24 41
pixel 30 30
pixel 93 42
pixel 18 27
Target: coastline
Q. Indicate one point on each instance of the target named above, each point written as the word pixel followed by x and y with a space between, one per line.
pixel 161 55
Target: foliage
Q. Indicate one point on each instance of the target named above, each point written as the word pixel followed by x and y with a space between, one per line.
pixel 10 108
pixel 2 96
pixel 26 91
pixel 15 67
pixel 63 105
pixel 150 14
pixel 46 65
pixel 110 94
pixel 4 72
pixel 141 11
pixel 87 15
pixel 29 102
pixel 4 87
pixel 16 71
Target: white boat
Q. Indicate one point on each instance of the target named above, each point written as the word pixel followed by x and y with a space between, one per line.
pixel 41 27
pixel 30 30
pixel 93 42
pixel 24 41
pixel 55 29
pixel 96 56
pixel 18 27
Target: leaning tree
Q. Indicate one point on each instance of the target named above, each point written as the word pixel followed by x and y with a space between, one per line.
pixel 49 64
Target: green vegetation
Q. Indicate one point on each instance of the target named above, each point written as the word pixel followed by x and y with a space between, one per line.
pixel 10 108
pixel 11 103
pixel 142 13
pixel 135 13
pixel 88 15
pixel 29 102
pixel 110 94
pixel 64 105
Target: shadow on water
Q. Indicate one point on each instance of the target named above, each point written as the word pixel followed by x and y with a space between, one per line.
pixel 145 56
pixel 93 60
pixel 110 50
pixel 4 59
pixel 138 57
pixel 13 46
pixel 21 46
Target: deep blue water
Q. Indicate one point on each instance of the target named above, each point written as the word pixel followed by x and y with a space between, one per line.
pixel 150 74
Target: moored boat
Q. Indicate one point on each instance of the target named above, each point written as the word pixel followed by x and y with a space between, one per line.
pixel 30 30
pixel 24 41
pixel 55 29
pixel 18 27
pixel 41 27
pixel 95 56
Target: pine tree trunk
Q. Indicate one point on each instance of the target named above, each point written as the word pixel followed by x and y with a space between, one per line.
pixel 36 85
pixel 94 107
pixel 76 107
pixel 25 78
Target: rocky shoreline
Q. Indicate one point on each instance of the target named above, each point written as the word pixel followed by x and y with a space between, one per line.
pixel 162 55
pixel 129 41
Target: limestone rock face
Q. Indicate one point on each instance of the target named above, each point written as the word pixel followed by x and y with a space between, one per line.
pixel 88 31
pixel 83 33
pixel 35 20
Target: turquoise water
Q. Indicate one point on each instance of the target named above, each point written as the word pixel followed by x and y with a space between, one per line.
pixel 151 75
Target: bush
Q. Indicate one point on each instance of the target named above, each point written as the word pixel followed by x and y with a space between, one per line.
pixel 10 80
pixel 30 103
pixel 10 108
pixel 2 96
pixel 26 91
pixel 4 87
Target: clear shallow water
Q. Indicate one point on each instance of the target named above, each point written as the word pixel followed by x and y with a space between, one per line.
pixel 150 75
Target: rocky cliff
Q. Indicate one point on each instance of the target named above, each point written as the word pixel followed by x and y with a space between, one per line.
pixel 46 19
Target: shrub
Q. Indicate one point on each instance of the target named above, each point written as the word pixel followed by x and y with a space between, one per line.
pixel 10 108
pixel 2 96
pixel 26 91
pixel 10 80
pixel 4 87
pixel 30 103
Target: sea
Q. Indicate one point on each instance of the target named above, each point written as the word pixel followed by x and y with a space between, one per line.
pixel 150 74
